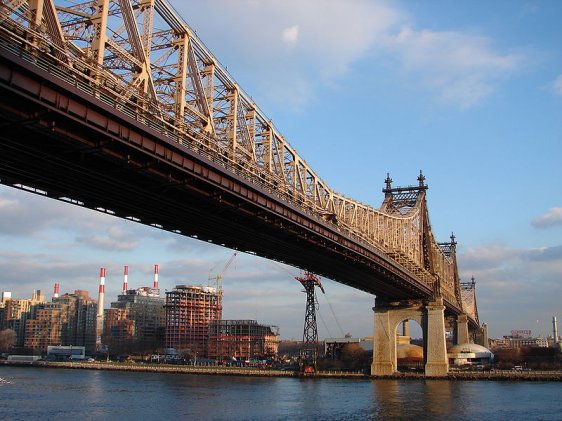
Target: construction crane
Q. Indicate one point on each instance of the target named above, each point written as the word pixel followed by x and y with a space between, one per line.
pixel 218 277
pixel 309 350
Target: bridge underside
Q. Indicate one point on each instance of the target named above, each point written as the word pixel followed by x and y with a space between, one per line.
pixel 56 139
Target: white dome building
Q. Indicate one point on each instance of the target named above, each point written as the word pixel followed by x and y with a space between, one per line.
pixel 469 354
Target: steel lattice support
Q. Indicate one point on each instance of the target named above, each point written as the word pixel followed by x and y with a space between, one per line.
pixel 468 294
pixel 309 350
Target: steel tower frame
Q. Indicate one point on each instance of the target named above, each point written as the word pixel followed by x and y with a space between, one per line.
pixel 309 350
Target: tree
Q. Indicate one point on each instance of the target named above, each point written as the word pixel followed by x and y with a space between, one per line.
pixel 7 339
pixel 354 357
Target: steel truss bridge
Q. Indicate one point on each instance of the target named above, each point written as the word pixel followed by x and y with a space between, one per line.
pixel 117 106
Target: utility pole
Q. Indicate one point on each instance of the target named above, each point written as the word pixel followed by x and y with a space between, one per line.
pixel 309 350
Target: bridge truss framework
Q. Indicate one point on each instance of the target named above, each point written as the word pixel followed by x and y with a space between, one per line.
pixel 142 60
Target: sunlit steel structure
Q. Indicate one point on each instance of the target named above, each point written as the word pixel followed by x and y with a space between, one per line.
pixel 310 346
pixel 117 106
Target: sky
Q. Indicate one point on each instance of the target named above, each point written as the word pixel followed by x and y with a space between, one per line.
pixel 468 92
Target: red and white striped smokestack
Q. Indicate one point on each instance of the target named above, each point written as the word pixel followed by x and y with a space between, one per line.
pixel 125 279
pixel 99 318
pixel 102 281
pixel 56 291
pixel 101 293
pixel 155 285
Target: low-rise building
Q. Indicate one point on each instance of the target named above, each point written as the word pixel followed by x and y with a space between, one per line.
pixel 519 342
pixel 242 340
pixel 64 353
pixel 469 354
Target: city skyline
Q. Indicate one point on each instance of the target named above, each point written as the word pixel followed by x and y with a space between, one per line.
pixel 361 89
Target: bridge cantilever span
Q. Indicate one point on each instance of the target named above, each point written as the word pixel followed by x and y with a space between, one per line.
pixel 117 106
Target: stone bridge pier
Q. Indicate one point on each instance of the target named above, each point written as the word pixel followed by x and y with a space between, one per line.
pixel 431 317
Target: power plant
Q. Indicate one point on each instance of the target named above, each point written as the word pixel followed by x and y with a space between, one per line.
pixel 99 316
pixel 125 279
pixel 188 319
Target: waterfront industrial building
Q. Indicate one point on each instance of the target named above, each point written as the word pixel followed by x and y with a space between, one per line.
pixel 136 321
pixel 242 340
pixel 65 353
pixel 188 319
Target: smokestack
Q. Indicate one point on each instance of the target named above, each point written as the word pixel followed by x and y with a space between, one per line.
pixel 56 291
pixel 155 285
pixel 99 317
pixel 125 276
pixel 555 329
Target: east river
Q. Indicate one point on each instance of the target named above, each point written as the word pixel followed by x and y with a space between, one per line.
pixel 61 394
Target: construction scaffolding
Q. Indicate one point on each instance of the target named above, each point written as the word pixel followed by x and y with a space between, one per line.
pixel 189 313
pixel 242 340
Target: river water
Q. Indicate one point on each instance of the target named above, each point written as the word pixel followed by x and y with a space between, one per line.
pixel 48 394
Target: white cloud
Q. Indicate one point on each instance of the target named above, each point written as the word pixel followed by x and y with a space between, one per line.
pixel 19 214
pixel 290 35
pixel 489 256
pixel 552 218
pixel 459 68
pixel 514 286
pixel 557 85
pixel 115 238
pixel 327 36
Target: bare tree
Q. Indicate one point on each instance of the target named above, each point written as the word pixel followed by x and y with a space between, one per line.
pixel 7 339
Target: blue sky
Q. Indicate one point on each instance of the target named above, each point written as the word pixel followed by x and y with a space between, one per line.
pixel 470 93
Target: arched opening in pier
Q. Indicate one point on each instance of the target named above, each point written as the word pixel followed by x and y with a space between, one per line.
pixel 409 346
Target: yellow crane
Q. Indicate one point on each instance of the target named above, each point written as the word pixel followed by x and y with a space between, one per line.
pixel 219 276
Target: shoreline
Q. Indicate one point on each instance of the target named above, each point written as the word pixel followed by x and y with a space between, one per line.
pixel 499 375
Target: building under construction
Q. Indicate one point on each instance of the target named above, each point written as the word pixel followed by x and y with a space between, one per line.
pixel 189 313
pixel 241 340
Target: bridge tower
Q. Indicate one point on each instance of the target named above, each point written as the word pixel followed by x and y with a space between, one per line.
pixel 428 312
pixel 309 350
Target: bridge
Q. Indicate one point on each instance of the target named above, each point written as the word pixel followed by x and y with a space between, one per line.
pixel 117 106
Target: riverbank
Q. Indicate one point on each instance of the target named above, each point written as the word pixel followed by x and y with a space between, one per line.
pixel 495 375
pixel 187 369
